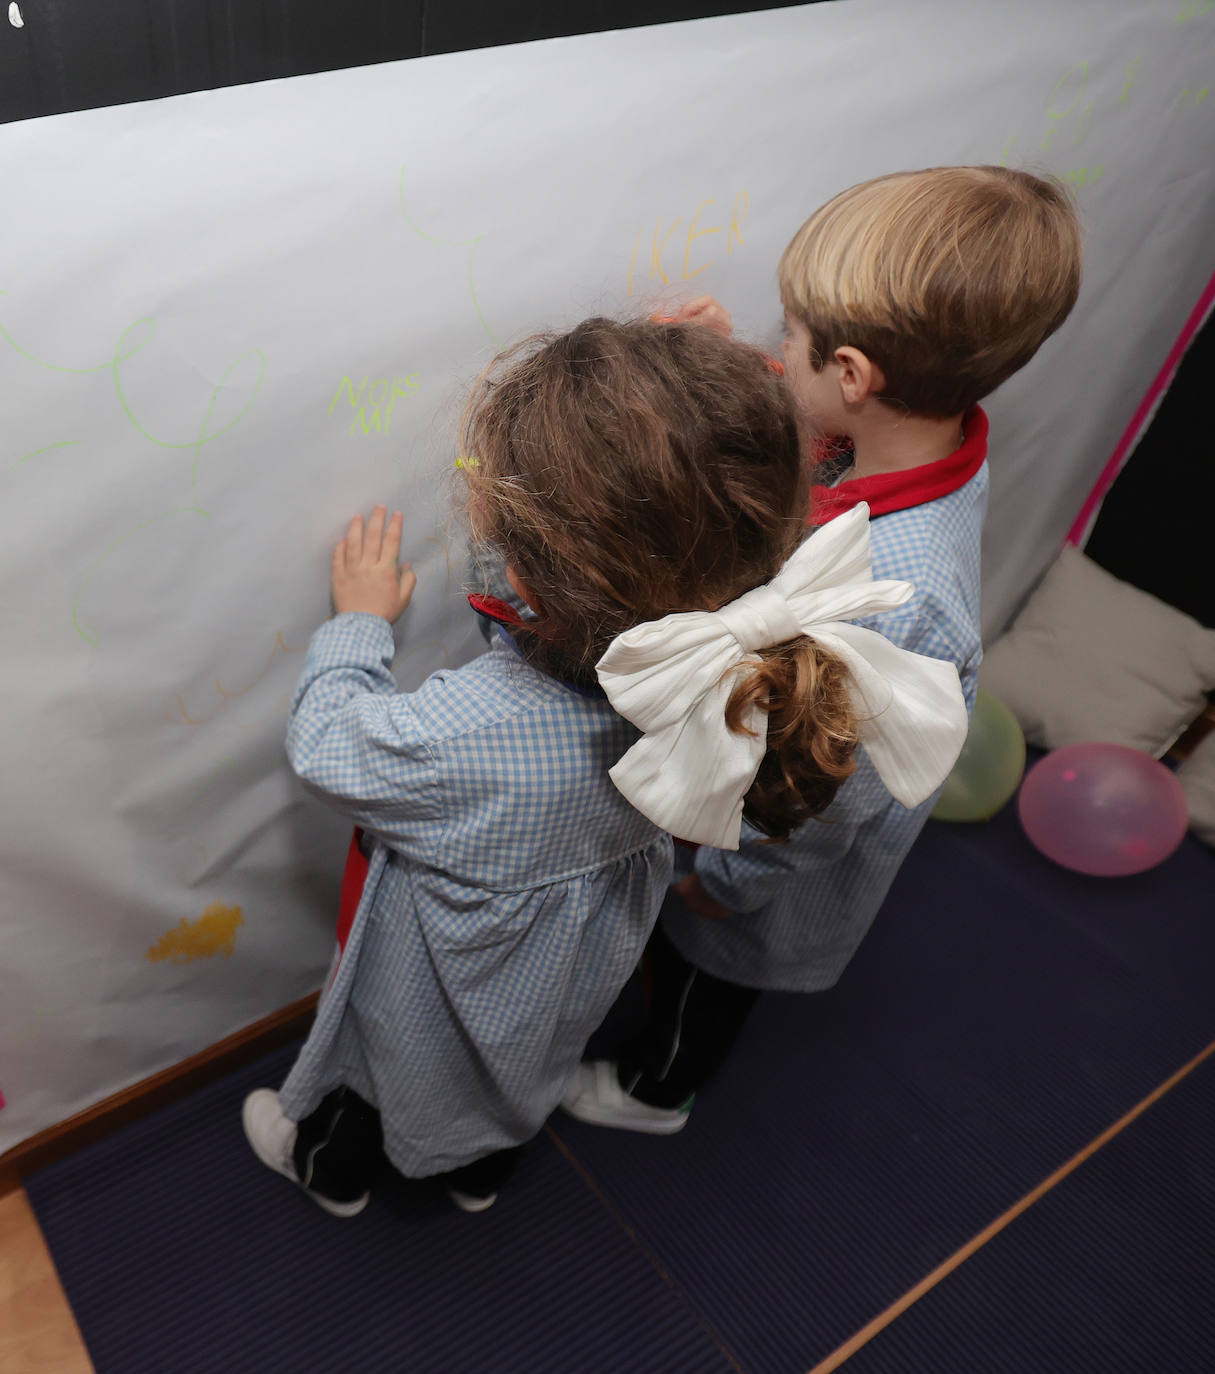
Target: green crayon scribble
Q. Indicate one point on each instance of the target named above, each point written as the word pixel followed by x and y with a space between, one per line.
pixel 470 244
pixel 1082 176
pixel 1195 11
pixel 46 448
pixel 114 544
pixel 1131 73
pixel 392 390
pixel 1194 97
pixel 1080 69
pixel 55 367
pixel 205 434
pixel 1084 122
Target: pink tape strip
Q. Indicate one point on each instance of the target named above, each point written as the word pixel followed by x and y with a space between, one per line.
pixel 1139 421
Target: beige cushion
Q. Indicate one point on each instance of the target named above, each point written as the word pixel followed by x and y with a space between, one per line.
pixel 1093 658
pixel 1197 776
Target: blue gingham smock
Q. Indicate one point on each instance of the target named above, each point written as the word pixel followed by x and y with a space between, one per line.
pixel 510 892
pixel 802 908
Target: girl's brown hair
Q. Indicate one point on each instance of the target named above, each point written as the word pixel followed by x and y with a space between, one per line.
pixel 627 471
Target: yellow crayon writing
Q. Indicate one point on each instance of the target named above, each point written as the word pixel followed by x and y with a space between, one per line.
pixel 742 203
pixel 1131 72
pixel 1080 70
pixel 694 233
pixel 373 406
pixel 1083 176
pixel 664 233
pixel 656 252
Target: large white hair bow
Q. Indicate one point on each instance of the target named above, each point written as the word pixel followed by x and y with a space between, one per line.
pixel 672 678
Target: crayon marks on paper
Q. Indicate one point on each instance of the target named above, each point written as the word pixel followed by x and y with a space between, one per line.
pixel 1084 98
pixel 373 401
pixel 214 932
pixel 182 715
pixel 678 253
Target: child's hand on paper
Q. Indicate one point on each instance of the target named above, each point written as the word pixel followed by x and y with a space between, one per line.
pixel 708 312
pixel 691 892
pixel 365 572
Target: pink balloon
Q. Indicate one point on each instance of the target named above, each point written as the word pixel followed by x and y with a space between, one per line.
pixel 1103 809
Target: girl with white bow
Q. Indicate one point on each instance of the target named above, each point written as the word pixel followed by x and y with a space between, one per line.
pixel 683 663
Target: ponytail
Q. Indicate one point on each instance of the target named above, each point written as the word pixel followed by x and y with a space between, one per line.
pixel 812 733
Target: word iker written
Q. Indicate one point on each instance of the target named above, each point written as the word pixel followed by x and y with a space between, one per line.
pixel 663 234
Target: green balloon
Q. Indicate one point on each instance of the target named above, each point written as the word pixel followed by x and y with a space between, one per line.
pixel 989 767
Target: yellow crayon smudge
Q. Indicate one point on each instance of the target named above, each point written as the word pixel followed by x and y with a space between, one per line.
pixel 213 933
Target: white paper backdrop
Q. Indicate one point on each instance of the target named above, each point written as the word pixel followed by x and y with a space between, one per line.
pixel 195 290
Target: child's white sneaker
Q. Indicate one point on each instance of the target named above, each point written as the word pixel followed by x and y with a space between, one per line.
pixel 595 1095
pixel 272 1137
pixel 469 1202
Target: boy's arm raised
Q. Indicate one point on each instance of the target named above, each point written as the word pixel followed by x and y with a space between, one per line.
pixel 706 311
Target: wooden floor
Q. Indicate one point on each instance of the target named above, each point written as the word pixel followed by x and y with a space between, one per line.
pixel 38 1334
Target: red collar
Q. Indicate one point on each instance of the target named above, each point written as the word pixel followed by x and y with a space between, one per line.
pixel 890 491
pixel 495 609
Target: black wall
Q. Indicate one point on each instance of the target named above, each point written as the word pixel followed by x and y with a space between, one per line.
pixel 76 54
pixel 1156 529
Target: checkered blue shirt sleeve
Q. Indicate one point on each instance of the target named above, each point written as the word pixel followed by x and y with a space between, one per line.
pixel 353 738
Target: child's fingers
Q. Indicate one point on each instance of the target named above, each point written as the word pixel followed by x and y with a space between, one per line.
pixel 339 557
pixel 696 306
pixel 374 540
pixel 705 310
pixel 354 541
pixel 391 549
pixel 409 580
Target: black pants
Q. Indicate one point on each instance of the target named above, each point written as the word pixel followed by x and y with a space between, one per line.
pixel 339 1151
pixel 693 1023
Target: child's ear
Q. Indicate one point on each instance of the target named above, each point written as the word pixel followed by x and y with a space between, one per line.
pixel 859 377
pixel 521 589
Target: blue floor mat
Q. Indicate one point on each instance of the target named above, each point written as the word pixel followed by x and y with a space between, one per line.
pixel 1110 1272
pixel 1002 1013
pixel 181 1254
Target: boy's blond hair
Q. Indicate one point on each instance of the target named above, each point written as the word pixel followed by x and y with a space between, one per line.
pixel 949 279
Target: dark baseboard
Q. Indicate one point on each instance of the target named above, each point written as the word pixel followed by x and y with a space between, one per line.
pixel 108 1115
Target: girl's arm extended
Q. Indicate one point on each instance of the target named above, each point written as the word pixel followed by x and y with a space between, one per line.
pixel 353 737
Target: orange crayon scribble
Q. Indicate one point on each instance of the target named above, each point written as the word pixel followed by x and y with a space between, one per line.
pixel 213 933
pixel 183 717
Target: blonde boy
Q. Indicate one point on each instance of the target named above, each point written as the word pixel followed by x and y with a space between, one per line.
pixel 907 300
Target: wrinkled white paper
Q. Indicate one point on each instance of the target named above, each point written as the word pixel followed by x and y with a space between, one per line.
pixel 230 320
